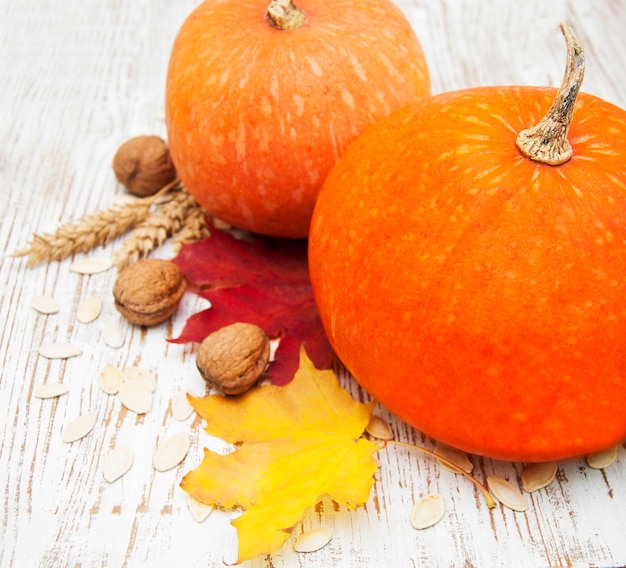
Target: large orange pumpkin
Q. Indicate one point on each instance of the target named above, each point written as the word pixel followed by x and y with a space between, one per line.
pixel 262 100
pixel 476 291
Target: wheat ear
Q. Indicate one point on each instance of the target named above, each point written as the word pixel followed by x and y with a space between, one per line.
pixel 155 229
pixel 195 228
pixel 90 231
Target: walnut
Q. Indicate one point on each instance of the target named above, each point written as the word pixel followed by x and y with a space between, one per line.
pixel 233 358
pixel 149 291
pixel 143 165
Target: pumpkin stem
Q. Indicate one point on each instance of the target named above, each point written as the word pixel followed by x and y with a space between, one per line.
pixel 547 141
pixel 285 15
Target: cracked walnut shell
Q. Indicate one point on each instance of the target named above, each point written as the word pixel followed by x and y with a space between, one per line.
pixel 149 291
pixel 233 358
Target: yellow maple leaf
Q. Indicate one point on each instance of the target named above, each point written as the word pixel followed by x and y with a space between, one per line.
pixel 295 444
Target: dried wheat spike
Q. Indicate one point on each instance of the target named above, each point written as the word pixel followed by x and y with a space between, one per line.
pixel 195 228
pixel 93 230
pixel 155 230
pixel 90 231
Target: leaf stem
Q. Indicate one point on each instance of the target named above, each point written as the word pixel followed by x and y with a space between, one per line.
pixel 488 498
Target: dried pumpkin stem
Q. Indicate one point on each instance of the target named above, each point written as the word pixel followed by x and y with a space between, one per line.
pixel 285 15
pixel 547 141
pixel 488 498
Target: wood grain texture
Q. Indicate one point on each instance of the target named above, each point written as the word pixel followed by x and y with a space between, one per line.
pixel 76 80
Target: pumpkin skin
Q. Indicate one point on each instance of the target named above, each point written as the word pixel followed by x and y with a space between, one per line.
pixel 477 294
pixel 256 116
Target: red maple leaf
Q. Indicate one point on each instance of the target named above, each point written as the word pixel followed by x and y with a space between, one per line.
pixel 262 281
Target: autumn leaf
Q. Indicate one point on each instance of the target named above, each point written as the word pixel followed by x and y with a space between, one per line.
pixel 295 444
pixel 262 281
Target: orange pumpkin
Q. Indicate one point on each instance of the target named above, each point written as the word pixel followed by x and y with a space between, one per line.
pixel 262 100
pixel 475 290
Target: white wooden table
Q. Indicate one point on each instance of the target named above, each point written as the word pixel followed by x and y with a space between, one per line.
pixel 76 80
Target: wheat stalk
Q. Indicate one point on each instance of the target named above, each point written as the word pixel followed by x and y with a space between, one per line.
pixel 195 227
pixel 90 231
pixel 155 229
pixel 177 214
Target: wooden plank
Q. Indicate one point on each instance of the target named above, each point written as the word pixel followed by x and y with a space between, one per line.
pixel 76 81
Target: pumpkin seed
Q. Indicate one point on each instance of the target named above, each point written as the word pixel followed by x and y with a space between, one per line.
pixel 135 397
pixel 538 475
pixel 59 350
pixel 117 462
pixel 181 409
pixel 199 510
pixel 428 511
pixel 457 457
pixel 171 452
pixel 51 390
pixel 274 344
pixel 92 265
pixel 113 335
pixel 141 376
pixel 506 493
pixel 378 428
pixel 45 304
pixel 111 379
pixel 310 541
pixel 89 309
pixel 603 458
pixel 79 427
pixel 121 199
